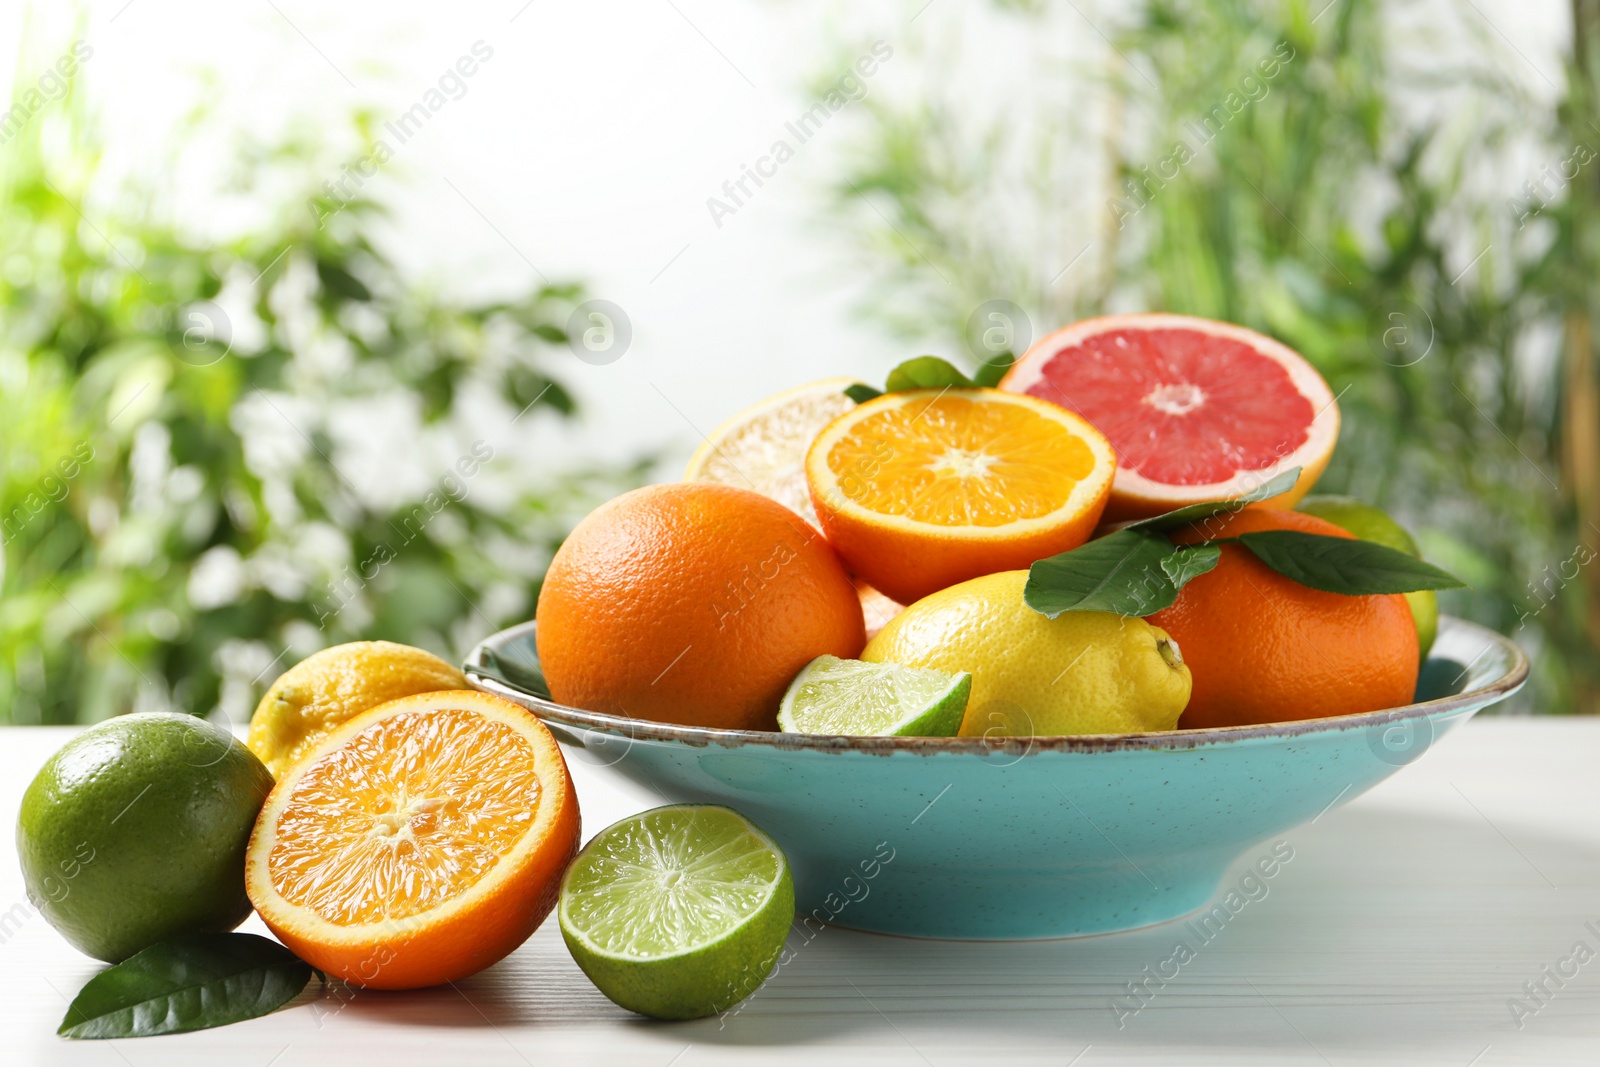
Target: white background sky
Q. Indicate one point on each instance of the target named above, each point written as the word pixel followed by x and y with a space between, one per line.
pixel 587 146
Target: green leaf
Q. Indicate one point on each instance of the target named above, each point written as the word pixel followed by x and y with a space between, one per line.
pixel 1187 564
pixel 862 393
pixel 340 282
pixel 1279 483
pixel 1124 572
pixel 1344 565
pixel 192 982
pixel 926 372
pixel 990 372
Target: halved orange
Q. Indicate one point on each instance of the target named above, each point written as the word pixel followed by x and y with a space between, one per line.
pixel 417 843
pixel 923 489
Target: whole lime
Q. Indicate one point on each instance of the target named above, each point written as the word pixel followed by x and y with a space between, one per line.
pixel 1374 524
pixel 136 830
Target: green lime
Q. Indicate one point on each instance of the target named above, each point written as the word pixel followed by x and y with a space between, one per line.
pixel 1362 519
pixel 678 912
pixel 846 696
pixel 136 831
pixel 1374 524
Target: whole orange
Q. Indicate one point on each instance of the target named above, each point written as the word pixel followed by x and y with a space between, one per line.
pixel 1264 648
pixel 692 603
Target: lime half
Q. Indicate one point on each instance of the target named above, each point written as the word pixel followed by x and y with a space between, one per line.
pixel 846 696
pixel 678 912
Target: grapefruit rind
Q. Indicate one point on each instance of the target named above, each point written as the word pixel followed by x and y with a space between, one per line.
pixel 1133 496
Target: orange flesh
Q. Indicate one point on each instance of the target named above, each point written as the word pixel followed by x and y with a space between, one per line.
pixel 954 462
pixel 408 815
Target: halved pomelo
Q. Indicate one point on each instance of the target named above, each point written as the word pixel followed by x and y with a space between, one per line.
pixel 764 446
pixel 922 489
pixel 1197 410
pixel 418 842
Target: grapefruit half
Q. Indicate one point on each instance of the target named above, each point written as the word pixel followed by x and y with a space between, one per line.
pixel 1196 410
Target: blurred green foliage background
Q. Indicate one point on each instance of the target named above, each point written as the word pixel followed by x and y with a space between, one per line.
pixel 221 456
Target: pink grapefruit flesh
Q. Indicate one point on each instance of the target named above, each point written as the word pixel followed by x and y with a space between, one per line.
pixel 1197 410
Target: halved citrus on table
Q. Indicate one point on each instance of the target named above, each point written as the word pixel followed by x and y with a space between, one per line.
pixel 417 843
pixel 922 489
pixel 1197 410
pixel 763 447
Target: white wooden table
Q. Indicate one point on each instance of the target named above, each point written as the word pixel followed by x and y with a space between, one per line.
pixel 1400 932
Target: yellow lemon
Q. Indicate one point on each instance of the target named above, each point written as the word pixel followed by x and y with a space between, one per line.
pixel 1085 672
pixel 323 690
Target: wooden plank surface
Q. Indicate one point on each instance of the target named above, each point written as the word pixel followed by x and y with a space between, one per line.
pixel 1403 930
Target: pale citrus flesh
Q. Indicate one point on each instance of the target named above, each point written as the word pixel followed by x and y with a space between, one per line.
pixel 418 843
pixel 1197 410
pixel 921 489
pixel 763 447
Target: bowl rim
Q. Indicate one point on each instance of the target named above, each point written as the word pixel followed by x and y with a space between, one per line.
pixel 699 736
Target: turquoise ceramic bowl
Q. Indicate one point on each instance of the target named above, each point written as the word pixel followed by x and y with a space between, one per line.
pixel 1021 838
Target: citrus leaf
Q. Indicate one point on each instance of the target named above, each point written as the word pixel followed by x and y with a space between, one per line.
pixel 1344 565
pixel 1278 484
pixel 926 372
pixel 1187 564
pixel 862 393
pixel 990 372
pixel 191 982
pixel 1123 572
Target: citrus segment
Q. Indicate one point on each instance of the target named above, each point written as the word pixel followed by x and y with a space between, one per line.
pixel 1197 410
pixel 921 489
pixel 678 912
pixel 856 699
pixel 418 843
pixel 763 448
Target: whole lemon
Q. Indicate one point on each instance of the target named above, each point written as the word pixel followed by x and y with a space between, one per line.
pixel 1084 672
pixel 323 690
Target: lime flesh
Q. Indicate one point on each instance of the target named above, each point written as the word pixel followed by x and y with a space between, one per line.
pixel 678 912
pixel 846 696
pixel 136 831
